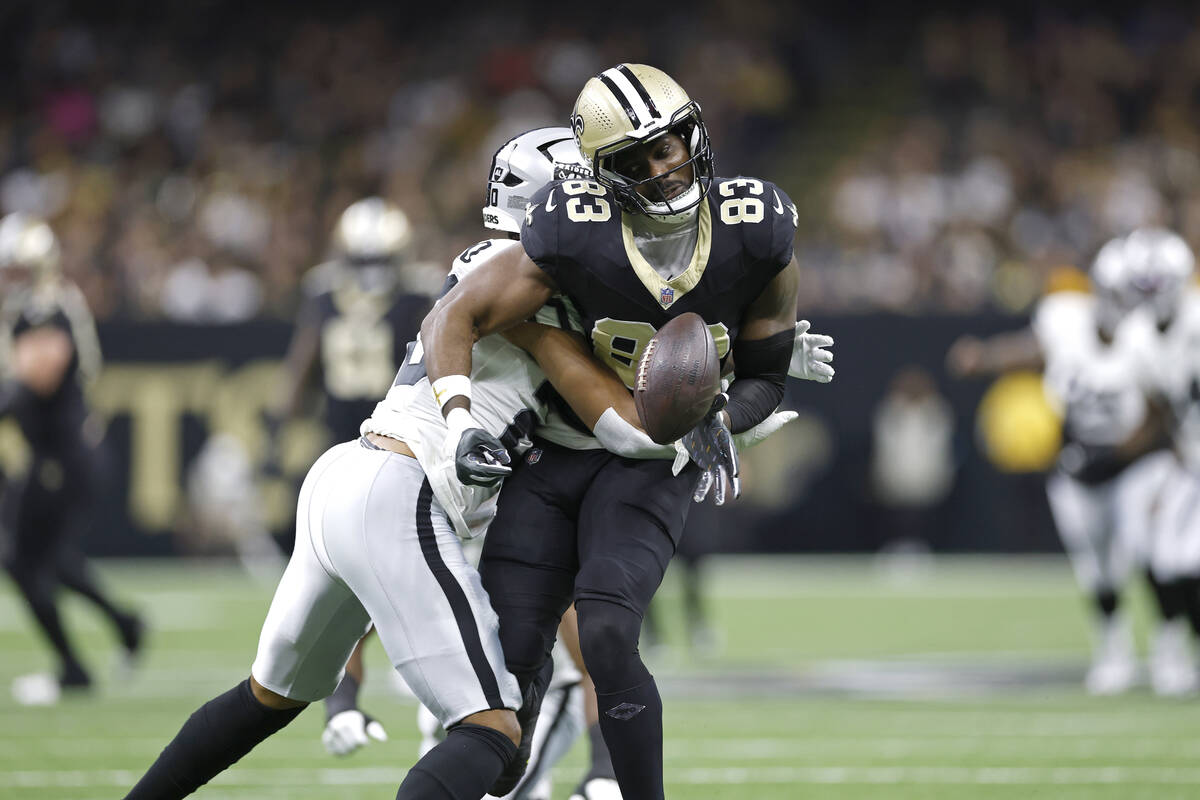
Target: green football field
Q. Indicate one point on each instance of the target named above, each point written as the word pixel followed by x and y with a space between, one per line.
pixel 836 678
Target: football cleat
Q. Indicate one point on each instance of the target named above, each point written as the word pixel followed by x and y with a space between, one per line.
pixel 1114 667
pixel 1172 667
pixel 598 789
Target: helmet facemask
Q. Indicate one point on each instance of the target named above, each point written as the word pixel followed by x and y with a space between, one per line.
pixel 689 126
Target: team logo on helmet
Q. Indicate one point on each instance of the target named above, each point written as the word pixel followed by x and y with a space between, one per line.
pixel 577 125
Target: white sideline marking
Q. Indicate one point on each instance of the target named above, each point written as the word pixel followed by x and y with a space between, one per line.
pixel 375 776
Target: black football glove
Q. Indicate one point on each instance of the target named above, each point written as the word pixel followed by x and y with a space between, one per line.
pixel 480 459
pixel 710 445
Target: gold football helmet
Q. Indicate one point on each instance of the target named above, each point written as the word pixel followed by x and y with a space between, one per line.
pixel 626 106
pixel 371 231
pixel 28 244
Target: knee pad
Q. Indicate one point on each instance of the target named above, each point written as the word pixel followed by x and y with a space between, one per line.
pixel 608 637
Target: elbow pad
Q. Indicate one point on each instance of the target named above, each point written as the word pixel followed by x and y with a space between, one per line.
pixel 621 438
pixel 760 375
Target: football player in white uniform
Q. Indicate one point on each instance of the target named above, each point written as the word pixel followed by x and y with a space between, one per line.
pixel 1165 333
pixel 1101 491
pixel 519 168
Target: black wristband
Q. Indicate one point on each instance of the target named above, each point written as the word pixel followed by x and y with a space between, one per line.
pixel 760 375
pixel 344 697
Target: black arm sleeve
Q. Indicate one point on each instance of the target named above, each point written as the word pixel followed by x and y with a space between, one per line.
pixel 760 373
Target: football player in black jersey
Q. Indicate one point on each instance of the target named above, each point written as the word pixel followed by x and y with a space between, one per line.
pixel 50 350
pixel 360 310
pixel 654 236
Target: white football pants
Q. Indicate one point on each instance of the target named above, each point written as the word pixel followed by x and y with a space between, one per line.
pixel 1106 529
pixel 373 544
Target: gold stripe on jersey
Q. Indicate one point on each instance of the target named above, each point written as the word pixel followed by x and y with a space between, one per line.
pixel 685 281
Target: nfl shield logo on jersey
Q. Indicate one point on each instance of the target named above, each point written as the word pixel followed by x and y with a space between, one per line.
pixel 533 456
pixel 666 296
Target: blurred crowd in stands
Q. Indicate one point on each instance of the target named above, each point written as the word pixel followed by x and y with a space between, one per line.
pixel 194 165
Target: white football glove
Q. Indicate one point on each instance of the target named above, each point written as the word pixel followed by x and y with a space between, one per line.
pixel 349 730
pixel 810 362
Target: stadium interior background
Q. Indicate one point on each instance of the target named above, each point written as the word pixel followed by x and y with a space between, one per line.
pixel 949 165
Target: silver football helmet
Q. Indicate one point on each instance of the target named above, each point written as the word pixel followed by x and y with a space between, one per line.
pixel 629 105
pixel 522 166
pixel 1159 264
pixel 28 246
pixel 1110 283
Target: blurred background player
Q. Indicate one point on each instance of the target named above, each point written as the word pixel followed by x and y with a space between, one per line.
pixel 1112 460
pixel 1164 333
pixel 360 309
pixel 48 353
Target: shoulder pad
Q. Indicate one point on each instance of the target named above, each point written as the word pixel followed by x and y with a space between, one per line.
pixel 763 214
pixel 322 278
pixel 562 217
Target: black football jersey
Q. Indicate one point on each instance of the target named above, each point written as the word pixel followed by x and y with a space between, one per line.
pixel 54 425
pixel 363 337
pixel 575 231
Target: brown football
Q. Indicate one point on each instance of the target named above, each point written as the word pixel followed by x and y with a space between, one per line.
pixel 677 378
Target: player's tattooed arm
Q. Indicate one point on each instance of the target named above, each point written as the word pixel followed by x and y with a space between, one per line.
pixel 506 289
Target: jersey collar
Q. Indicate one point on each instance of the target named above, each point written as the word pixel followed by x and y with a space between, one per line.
pixel 665 292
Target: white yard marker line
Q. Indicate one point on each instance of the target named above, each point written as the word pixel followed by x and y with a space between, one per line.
pixel 929 775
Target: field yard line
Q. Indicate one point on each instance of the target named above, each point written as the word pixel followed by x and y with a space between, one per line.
pixel 920 744
pixel 939 746
pixel 1060 776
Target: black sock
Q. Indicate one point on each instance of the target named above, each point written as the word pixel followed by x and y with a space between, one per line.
pixel 1170 596
pixel 460 768
pixel 631 718
pixel 39 587
pixel 632 724
pixel 1106 602
pixel 1191 601
pixel 219 733
pixel 602 766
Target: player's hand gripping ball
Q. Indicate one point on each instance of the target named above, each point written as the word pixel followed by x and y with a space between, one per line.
pixel 677 378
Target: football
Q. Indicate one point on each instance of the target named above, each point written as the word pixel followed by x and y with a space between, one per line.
pixel 677 378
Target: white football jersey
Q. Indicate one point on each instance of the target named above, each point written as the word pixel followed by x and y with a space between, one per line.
pixel 1169 368
pixel 510 399
pixel 1094 385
